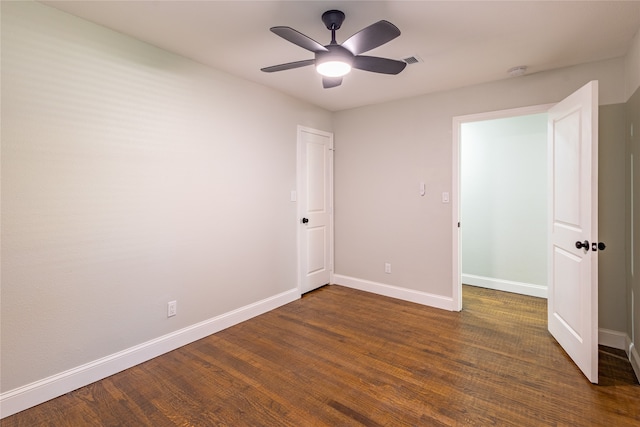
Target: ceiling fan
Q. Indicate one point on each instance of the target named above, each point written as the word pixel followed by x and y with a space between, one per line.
pixel 334 60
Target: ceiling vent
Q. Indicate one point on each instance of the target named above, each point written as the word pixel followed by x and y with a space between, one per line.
pixel 517 71
pixel 413 60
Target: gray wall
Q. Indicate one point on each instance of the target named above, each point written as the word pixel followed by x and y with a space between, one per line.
pixel 611 216
pixel 632 223
pixel 132 177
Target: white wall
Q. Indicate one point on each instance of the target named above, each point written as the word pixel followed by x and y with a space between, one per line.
pixel 132 177
pixel 503 203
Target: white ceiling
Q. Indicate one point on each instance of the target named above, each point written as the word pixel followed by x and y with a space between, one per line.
pixel 461 43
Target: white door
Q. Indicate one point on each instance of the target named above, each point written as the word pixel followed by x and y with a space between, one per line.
pixel 573 228
pixel 315 208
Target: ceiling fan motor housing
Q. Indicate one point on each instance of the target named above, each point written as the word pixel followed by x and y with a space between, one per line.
pixel 335 52
pixel 333 19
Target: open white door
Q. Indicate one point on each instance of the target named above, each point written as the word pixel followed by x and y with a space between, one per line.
pixel 315 209
pixel 573 228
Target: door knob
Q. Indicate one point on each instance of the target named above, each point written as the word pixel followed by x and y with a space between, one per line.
pixel 602 246
pixel 584 244
pixel 305 220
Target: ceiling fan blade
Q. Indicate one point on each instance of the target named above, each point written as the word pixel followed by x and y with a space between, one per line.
pixel 371 37
pixel 297 38
pixel 329 82
pixel 378 65
pixel 288 66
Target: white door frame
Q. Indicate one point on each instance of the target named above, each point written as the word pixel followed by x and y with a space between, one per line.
pixel 300 193
pixel 455 185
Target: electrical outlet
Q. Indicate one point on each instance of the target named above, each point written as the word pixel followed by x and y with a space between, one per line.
pixel 387 267
pixel 172 308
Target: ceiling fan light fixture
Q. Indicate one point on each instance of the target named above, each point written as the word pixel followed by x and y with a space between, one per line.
pixel 336 62
pixel 333 68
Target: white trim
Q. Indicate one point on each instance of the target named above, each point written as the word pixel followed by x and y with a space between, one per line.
pixel 530 289
pixel 634 357
pixel 40 391
pixel 424 298
pixel 614 339
pixel 457 121
pixel 456 258
pixel 503 114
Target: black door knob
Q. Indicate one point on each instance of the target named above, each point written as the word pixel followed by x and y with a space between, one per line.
pixel 601 246
pixel 305 220
pixel 584 244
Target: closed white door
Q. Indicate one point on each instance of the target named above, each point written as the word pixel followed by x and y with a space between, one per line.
pixel 315 208
pixel 573 229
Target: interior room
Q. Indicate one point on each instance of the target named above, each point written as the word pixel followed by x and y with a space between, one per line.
pixel 152 173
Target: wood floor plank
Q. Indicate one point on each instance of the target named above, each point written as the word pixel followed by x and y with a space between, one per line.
pixel 343 357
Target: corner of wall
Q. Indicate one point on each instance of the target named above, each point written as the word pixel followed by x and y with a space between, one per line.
pixel 632 66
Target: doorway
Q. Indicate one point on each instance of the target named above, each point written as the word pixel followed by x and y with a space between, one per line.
pixel 501 205
pixel 572 223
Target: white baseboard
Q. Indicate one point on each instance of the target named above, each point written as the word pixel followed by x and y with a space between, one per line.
pixel 614 339
pixel 405 294
pixel 505 285
pixel 634 357
pixel 25 397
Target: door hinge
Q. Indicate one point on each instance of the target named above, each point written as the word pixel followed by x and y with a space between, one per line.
pixel 458 224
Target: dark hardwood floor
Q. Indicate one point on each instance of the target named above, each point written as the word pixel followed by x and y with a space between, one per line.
pixel 341 357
